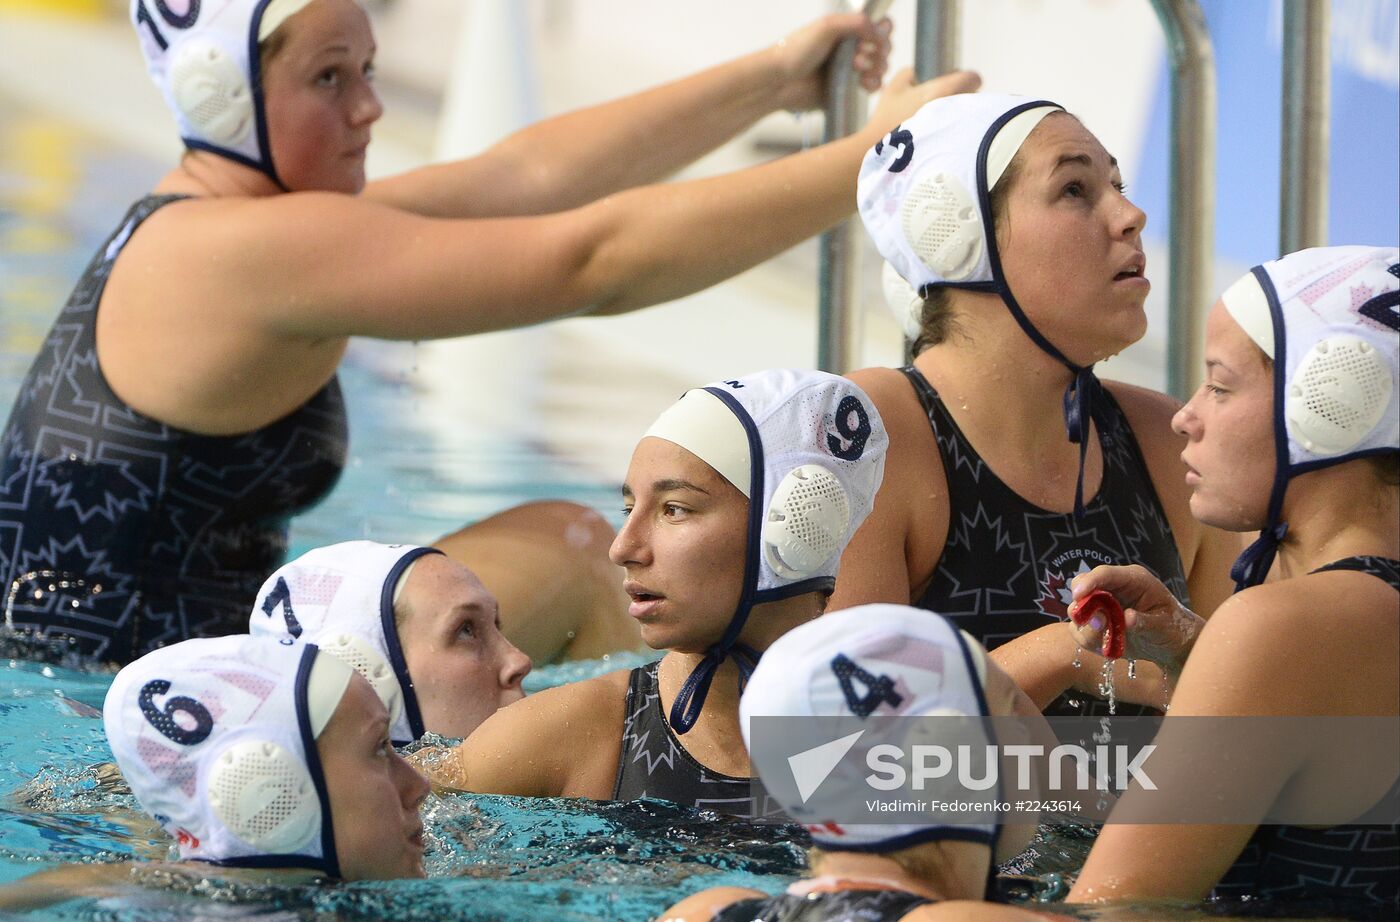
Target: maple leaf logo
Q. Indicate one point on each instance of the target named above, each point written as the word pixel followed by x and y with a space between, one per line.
pixel 1055 593
pixel 1050 602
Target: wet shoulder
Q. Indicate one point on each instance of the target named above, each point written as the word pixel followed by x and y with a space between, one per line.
pixel 913 451
pixel 1303 645
pixel 1149 414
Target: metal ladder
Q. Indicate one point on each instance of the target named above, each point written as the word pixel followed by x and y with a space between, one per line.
pixel 1303 187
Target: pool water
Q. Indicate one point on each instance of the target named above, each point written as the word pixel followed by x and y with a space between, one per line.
pixel 489 857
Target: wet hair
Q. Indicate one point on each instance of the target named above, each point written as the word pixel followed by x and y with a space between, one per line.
pixel 937 323
pixel 1386 468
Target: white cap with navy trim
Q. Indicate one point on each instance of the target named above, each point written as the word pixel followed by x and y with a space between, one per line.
pixel 217 738
pixel 808 450
pixel 1329 319
pixel 910 663
pixel 203 55
pixel 341 598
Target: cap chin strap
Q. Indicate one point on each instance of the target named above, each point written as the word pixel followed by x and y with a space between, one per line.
pixel 1253 564
pixel 1081 397
pixel 690 700
pixel 1084 392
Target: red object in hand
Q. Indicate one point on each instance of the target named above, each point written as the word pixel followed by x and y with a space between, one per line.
pixel 1102 602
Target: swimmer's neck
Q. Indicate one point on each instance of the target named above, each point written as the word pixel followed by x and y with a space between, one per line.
pixel 1002 389
pixel 1323 529
pixel 766 623
pixel 208 175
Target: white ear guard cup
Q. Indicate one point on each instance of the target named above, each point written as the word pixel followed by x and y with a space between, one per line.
pixel 903 301
pixel 264 796
pixel 357 653
pixel 211 91
pixel 942 224
pixel 806 521
pixel 1339 392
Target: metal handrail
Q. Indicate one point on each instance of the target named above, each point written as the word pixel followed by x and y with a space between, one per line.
pixel 1306 130
pixel 838 265
pixel 935 38
pixel 1192 184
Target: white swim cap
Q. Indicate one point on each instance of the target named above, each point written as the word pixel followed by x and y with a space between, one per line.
pixel 903 301
pixel 203 55
pixel 341 598
pixel 872 662
pixel 812 447
pixel 923 191
pixel 1329 318
pixel 217 738
pixel 924 194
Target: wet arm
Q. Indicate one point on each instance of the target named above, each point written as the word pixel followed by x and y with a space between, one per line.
pixel 1042 664
pixel 322 266
pixel 363 269
pixel 1237 668
pixel 561 742
pixel 702 906
pixel 66 882
pixel 576 158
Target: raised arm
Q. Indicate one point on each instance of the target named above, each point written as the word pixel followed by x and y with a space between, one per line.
pixel 1284 649
pixel 579 157
pixel 332 266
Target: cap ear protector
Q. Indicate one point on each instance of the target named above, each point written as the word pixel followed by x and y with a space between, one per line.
pixel 264 795
pixel 1337 395
pixel 211 92
pixel 903 301
pixel 360 655
pixel 205 56
pixel 941 221
pixel 806 522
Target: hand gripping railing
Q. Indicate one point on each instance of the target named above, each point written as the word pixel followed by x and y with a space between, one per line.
pixel 1306 113
pixel 1192 183
pixel 838 329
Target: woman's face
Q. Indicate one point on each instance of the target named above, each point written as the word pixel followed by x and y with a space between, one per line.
pixel 1229 430
pixel 463 667
pixel 1070 243
pixel 682 546
pixel 319 98
pixel 374 793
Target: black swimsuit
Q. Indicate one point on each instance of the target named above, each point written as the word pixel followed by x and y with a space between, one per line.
pixel 1349 863
pixel 825 906
pixel 655 764
pixel 118 533
pixel 1007 564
